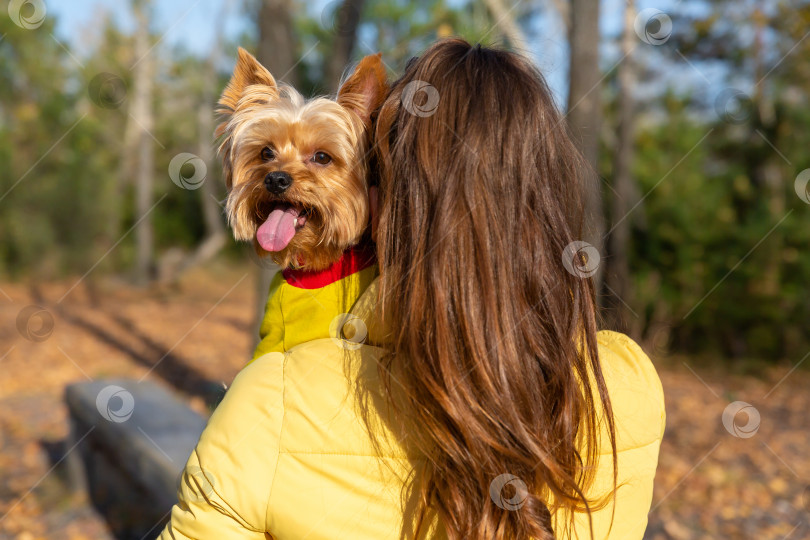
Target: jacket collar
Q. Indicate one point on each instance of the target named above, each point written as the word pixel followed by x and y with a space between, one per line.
pixel 353 260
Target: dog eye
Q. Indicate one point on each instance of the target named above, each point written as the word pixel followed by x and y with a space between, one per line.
pixel 268 154
pixel 321 158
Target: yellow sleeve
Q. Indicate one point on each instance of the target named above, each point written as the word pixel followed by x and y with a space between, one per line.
pixel 226 484
pixel 202 513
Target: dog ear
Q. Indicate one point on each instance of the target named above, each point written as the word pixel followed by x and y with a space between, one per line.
pixel 248 72
pixel 366 88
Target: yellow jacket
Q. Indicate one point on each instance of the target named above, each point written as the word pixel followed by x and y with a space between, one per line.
pixel 286 455
pixel 303 305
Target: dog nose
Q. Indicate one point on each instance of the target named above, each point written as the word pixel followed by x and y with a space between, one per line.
pixel 277 182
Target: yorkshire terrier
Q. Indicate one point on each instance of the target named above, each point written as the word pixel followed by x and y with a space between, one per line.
pixel 297 177
pixel 296 169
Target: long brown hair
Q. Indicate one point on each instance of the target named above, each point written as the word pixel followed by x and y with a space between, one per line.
pixel 492 339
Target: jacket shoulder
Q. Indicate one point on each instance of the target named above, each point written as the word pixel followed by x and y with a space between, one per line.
pixel 333 391
pixel 328 464
pixel 635 391
pixel 241 440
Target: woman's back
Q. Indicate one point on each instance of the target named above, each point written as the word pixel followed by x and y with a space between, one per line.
pixel 287 450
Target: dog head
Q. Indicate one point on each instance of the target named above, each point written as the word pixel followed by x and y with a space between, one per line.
pixel 296 169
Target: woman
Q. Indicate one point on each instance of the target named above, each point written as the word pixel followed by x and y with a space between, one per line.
pixel 483 402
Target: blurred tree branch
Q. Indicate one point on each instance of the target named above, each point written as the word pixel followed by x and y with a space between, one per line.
pixel 215 234
pixel 506 21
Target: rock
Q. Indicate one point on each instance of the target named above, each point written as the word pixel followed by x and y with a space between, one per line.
pixel 132 440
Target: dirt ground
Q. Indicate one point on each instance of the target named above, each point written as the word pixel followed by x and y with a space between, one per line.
pixel 710 484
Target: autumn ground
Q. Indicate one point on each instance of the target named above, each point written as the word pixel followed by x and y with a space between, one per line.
pixel 710 484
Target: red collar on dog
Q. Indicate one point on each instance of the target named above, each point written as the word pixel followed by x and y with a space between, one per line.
pixel 353 260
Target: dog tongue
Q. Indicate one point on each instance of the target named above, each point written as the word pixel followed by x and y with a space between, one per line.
pixel 279 228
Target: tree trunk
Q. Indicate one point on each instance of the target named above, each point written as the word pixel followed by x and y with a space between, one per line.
pixel 617 272
pixel 277 40
pixel 585 114
pixel 142 113
pixel 346 19
pixel 126 169
pixel 768 172
pixel 277 52
pixel 212 211
pixel 215 233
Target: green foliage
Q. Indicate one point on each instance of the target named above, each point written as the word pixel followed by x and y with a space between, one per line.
pixel 50 171
pixel 68 194
pixel 718 252
pixel 398 28
pixel 719 242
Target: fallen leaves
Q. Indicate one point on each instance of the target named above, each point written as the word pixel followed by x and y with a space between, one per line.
pixel 709 484
pixel 746 487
